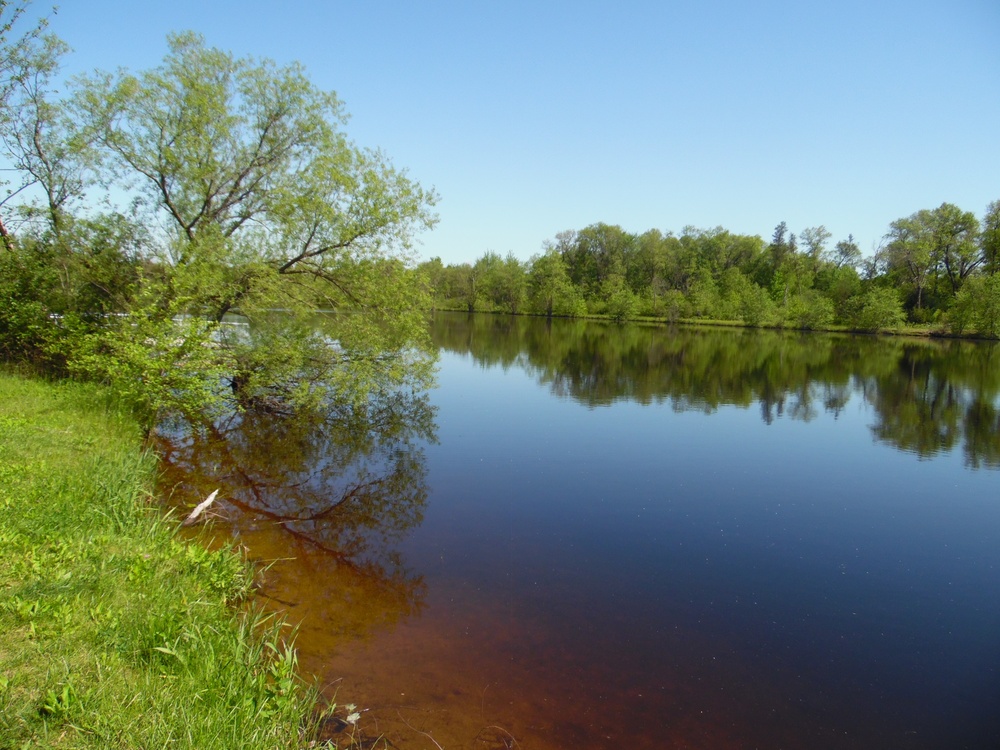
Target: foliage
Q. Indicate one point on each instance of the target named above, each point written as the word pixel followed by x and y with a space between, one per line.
pixel 500 284
pixel 743 299
pixel 810 310
pixel 19 72
pixel 928 258
pixel 877 309
pixel 15 42
pixel 261 204
pixel 43 143
pixel 838 283
pixel 933 247
pixel 846 254
pixel 977 307
pixel 620 303
pixel 157 364
pixel 703 293
pixel 674 305
pixel 815 239
pixel 25 281
pixel 754 305
pixel 549 287
pixel 87 272
pixel 990 238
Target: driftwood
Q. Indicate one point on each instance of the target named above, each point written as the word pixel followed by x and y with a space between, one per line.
pixel 200 508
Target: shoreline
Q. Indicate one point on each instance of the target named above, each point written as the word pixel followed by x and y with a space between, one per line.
pixel 922 332
pixel 118 632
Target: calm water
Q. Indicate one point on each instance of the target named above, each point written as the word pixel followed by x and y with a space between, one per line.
pixel 594 536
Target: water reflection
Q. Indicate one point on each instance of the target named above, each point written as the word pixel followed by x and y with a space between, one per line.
pixel 640 577
pixel 927 396
pixel 334 493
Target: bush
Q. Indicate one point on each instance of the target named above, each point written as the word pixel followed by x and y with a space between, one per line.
pixel 977 307
pixel 675 305
pixel 810 310
pixel 754 305
pixel 25 284
pixel 877 309
pixel 620 301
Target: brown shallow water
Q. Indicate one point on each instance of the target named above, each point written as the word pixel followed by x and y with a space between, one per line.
pixel 592 538
pixel 471 671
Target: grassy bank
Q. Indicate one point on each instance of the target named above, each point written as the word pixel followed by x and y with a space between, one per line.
pixel 116 634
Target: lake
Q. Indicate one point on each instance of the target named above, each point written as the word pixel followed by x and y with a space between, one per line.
pixel 591 535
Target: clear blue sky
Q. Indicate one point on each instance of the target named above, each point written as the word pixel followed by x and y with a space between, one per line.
pixel 530 118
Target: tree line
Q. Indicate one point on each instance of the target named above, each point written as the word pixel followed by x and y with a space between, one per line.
pixel 936 267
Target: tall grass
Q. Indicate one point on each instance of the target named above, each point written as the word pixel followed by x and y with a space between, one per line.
pixel 115 633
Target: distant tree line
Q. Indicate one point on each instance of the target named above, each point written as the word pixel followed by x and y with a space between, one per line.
pixel 936 267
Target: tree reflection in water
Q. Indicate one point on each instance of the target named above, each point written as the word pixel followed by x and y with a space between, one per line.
pixel 928 396
pixel 322 499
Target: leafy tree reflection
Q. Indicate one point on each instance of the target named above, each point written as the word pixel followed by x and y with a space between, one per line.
pixel 927 396
pixel 335 492
pixel 937 397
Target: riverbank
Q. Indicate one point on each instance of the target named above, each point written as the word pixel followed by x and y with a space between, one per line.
pixel 116 632
pixel 907 329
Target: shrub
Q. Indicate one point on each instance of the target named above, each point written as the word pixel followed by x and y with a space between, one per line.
pixel 877 309
pixel 977 307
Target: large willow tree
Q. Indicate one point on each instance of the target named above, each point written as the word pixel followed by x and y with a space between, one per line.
pixel 263 205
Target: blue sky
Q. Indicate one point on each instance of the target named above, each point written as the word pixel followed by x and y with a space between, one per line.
pixel 530 118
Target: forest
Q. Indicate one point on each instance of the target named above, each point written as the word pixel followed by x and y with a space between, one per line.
pixel 936 269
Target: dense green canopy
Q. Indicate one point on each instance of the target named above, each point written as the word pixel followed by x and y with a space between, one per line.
pixel 936 267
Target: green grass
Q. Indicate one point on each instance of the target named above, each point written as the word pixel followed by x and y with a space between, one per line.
pixel 115 632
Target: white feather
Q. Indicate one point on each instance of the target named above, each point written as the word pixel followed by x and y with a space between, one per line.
pixel 200 508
